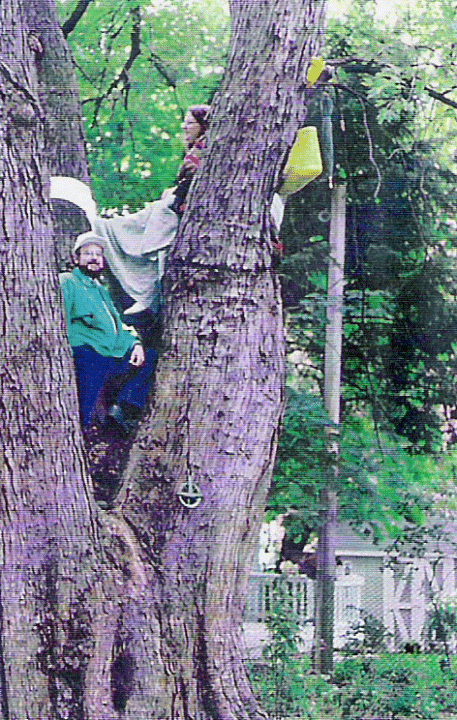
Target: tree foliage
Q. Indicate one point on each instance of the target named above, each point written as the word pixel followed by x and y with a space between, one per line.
pixel 382 489
pixel 400 313
pixel 394 128
pixel 139 66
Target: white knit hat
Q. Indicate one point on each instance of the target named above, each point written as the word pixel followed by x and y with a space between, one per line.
pixel 86 239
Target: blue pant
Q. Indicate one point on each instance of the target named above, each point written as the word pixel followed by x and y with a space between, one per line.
pixel 94 370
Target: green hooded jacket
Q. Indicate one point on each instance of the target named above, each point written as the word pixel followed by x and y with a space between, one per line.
pixel 92 318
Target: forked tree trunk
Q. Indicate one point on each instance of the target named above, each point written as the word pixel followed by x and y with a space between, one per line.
pixel 165 639
pixel 219 385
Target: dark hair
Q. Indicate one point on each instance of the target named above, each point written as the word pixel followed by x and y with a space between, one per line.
pixel 201 114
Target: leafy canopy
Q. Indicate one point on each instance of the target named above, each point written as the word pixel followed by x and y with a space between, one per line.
pixel 139 65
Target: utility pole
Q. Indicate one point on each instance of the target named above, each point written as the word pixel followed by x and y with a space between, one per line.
pixel 326 563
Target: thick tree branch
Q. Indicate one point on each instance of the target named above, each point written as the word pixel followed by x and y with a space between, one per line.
pixel 441 97
pixel 359 66
pixel 123 75
pixel 70 24
pixel 162 70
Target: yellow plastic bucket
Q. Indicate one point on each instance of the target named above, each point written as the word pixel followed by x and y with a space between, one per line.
pixel 304 162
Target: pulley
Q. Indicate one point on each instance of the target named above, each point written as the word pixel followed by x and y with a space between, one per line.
pixel 190 495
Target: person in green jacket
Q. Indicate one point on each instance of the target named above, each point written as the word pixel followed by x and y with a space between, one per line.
pixel 103 347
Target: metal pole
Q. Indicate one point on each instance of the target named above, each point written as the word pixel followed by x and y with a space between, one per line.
pixel 326 563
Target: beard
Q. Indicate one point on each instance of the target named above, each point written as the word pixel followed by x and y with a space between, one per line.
pixel 91 272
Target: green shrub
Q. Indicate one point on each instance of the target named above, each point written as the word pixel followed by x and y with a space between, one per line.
pixel 441 627
pixel 367 635
pixel 395 687
pixel 282 680
pixel 283 676
pixel 368 685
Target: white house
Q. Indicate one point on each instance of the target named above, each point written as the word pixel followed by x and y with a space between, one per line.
pixel 396 589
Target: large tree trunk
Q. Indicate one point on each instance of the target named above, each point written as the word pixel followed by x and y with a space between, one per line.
pixel 63 140
pixel 164 640
pixel 219 386
pixel 48 532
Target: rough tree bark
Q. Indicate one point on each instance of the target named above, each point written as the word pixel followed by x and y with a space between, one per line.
pixel 164 640
pixel 63 139
pixel 49 540
pixel 219 387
